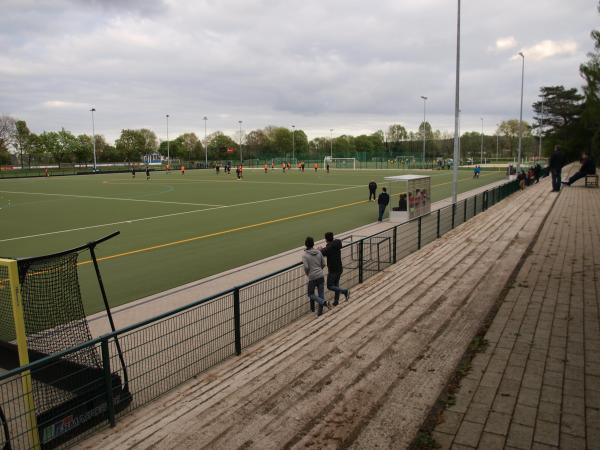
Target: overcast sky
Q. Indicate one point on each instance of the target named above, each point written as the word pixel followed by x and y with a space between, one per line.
pixel 350 65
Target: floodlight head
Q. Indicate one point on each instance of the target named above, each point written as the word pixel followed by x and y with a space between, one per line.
pixel 522 55
pixel 205 118
pixel 167 116
pixel 423 97
pixel 93 109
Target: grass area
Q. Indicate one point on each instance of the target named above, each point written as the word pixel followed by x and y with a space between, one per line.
pixel 176 229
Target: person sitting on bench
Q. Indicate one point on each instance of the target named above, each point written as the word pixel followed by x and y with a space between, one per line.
pixel 401 203
pixel 588 167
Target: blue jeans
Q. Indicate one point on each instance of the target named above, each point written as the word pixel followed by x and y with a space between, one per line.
pixel 333 284
pixel 381 211
pixel 319 283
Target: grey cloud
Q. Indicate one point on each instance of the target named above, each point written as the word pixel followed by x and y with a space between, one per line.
pixel 349 65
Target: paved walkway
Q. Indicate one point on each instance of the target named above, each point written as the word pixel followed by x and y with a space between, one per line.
pixel 538 383
pixel 363 375
pixel 156 304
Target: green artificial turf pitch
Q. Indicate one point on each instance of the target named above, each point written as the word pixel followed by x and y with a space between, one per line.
pixel 180 228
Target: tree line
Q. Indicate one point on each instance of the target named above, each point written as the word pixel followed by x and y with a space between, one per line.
pixel 62 146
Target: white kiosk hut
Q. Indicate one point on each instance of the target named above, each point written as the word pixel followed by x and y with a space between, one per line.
pixel 414 197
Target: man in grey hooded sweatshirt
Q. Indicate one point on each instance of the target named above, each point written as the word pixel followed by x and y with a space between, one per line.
pixel 313 263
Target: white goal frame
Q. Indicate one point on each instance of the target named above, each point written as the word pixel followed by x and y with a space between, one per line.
pixel 331 161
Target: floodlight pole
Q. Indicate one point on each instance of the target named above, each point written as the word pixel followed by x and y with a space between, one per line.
pixel 481 157
pixel 168 149
pixel 93 138
pixel 521 113
pixel 497 142
pixel 331 143
pixel 456 113
pixel 541 125
pixel 241 154
pixel 424 130
pixel 293 142
pixel 205 145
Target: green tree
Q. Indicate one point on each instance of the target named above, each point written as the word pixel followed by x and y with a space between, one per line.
pixel 257 144
pixel 22 140
pixel 84 149
pixel 217 145
pixel 191 146
pixel 561 120
pixel 396 133
pixel 510 130
pixel 7 132
pixel 131 145
pixel 425 127
pixel 590 71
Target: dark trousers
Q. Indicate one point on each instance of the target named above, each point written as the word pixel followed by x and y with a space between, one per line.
pixel 381 211
pixel 333 284
pixel 319 284
pixel 576 177
pixel 371 194
pixel 555 179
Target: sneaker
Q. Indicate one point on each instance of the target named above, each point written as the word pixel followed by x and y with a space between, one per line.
pixel 320 310
pixel 335 303
pixel 347 294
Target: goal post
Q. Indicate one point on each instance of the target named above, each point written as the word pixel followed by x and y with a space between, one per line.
pixel 340 163
pixel 13 325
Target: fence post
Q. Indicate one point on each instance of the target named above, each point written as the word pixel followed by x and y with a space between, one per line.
pixel 237 321
pixel 438 223
pixel 110 406
pixel 465 210
pixel 419 234
pixel 394 240
pixel 453 214
pixel 360 261
pixel 474 205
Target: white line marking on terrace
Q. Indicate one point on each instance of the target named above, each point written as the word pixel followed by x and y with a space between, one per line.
pixel 162 216
pixel 96 197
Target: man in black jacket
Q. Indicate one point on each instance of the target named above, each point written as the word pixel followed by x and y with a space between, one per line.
pixel 588 167
pixel 556 163
pixel 383 201
pixel 372 190
pixel 333 252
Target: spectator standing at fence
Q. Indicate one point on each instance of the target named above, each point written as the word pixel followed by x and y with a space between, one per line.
pixel 383 200
pixel 372 190
pixel 327 167
pixel 313 263
pixel 147 173
pixel 588 167
pixel 132 171
pixel 333 252
pixel 555 164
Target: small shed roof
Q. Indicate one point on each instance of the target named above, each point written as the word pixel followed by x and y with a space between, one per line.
pixel 405 177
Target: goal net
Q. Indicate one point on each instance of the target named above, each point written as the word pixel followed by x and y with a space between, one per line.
pixel 41 314
pixel 340 163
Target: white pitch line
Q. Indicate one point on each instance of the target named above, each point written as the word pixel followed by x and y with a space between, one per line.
pixel 235 181
pixel 173 214
pixel 109 198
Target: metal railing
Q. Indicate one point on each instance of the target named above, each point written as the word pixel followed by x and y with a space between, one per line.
pixel 162 352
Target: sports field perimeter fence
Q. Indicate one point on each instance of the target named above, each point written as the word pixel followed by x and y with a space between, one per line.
pixel 164 351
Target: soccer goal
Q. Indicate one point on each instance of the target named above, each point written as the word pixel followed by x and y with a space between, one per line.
pixel 340 163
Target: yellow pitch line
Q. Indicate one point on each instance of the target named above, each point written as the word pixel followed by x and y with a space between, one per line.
pixel 233 230
pixel 220 233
